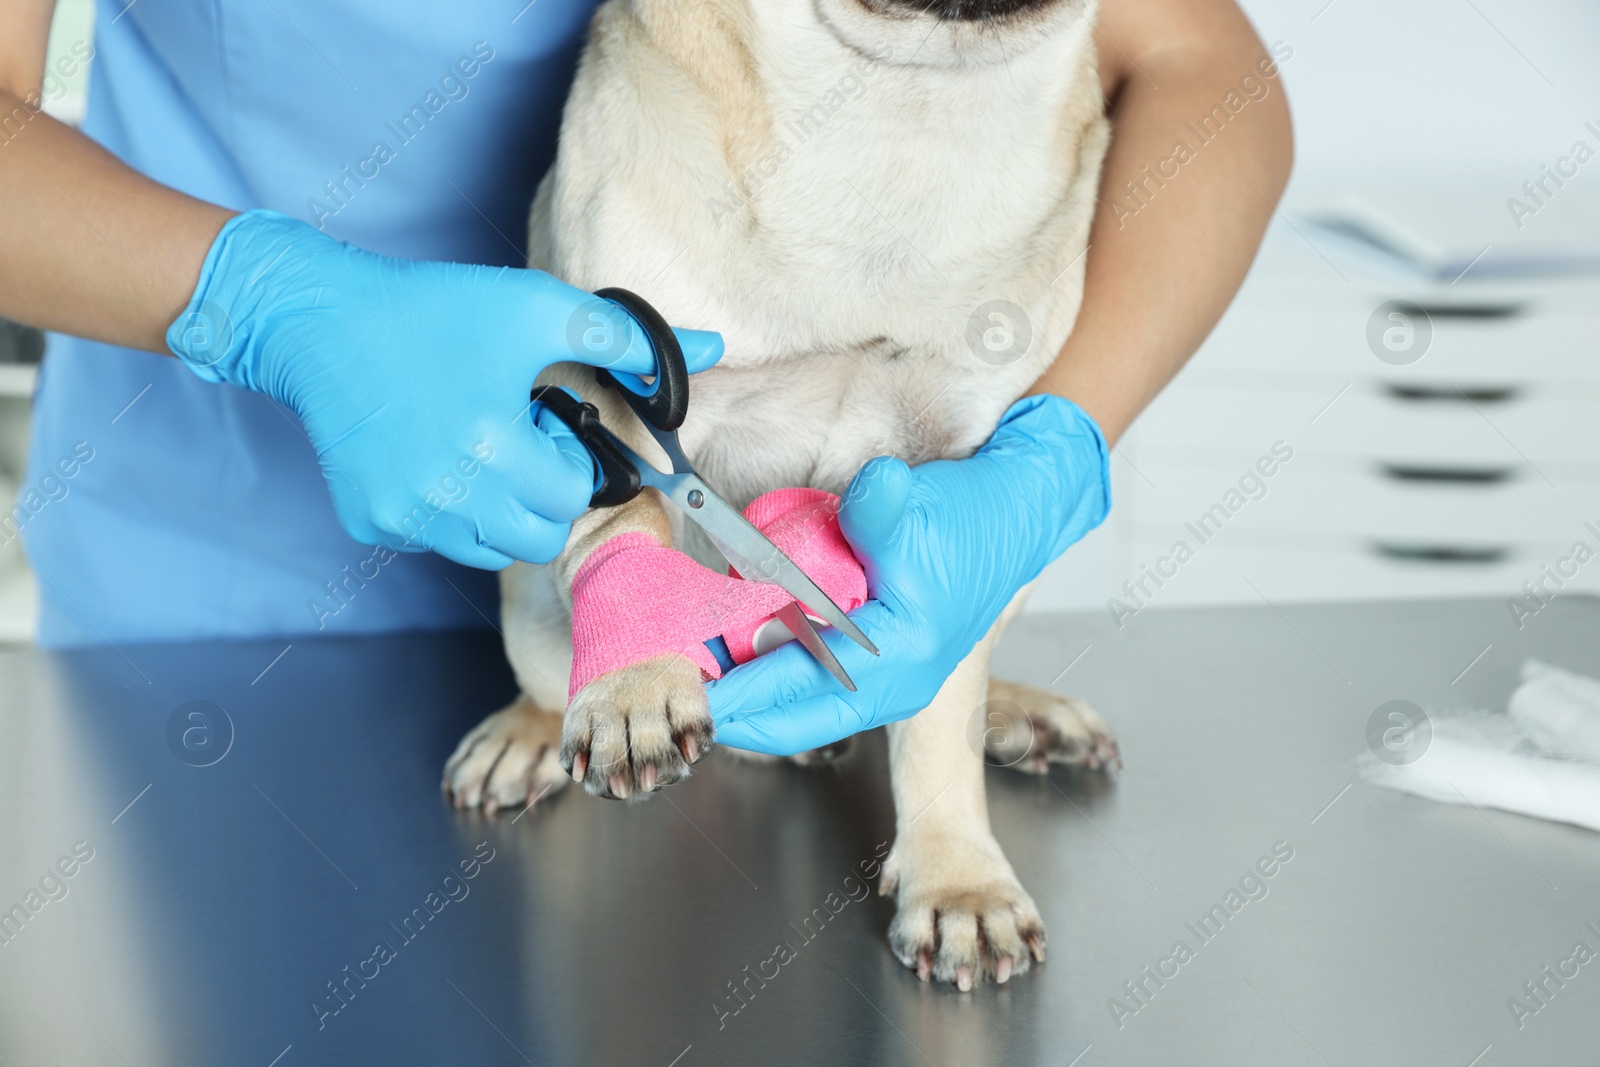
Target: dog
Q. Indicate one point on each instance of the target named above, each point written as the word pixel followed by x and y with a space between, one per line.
pixel 883 206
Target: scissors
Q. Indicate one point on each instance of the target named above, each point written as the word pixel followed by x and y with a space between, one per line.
pixel 624 474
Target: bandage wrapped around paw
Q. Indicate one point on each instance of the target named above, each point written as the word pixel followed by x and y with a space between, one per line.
pixel 634 599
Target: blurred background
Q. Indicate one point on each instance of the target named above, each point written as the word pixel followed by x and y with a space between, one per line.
pixel 1446 446
pixel 1412 357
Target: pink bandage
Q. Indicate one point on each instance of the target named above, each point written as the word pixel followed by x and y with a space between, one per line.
pixel 633 600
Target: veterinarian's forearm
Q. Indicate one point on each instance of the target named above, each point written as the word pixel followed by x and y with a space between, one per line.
pixel 87 245
pixel 1163 265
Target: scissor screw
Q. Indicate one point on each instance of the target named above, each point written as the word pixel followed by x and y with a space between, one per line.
pixel 696 498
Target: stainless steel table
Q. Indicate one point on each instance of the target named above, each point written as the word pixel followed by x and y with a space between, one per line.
pixel 211 911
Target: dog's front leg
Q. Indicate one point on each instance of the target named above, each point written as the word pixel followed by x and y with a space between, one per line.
pixel 641 726
pixel 628 730
pixel 962 913
pixel 622 735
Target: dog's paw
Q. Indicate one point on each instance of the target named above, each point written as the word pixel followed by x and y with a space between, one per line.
pixel 1027 729
pixel 508 760
pixel 631 731
pixel 962 915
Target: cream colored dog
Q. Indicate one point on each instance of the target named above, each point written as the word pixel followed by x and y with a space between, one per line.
pixel 883 206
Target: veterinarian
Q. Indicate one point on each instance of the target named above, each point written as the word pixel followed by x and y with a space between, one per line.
pixel 381 392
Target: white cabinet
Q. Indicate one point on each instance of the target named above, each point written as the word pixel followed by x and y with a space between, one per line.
pixel 1466 470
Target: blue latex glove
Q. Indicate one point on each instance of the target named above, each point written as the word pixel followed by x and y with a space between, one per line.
pixel 411 380
pixel 945 546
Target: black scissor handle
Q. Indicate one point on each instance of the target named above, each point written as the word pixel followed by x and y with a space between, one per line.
pixel 666 406
pixel 619 478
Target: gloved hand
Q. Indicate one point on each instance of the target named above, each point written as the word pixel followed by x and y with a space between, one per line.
pixel 411 380
pixel 945 545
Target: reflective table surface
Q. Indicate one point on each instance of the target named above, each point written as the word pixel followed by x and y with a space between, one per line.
pixel 238 853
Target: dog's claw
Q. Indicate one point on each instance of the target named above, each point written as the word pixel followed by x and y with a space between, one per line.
pixel 619 786
pixel 964 978
pixel 580 765
pixel 924 965
pixel 647 780
pixel 1002 971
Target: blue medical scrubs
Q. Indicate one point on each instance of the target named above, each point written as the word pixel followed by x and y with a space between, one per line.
pixel 410 127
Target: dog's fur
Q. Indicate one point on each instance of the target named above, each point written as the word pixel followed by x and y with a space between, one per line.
pixel 838 186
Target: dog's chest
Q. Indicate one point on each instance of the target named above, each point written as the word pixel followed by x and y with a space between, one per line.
pixel 873 306
pixel 888 263
pixel 814 419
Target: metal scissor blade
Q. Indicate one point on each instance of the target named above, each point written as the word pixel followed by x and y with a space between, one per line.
pixel 749 550
pixel 795 619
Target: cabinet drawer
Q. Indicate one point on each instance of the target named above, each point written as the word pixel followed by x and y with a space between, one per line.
pixel 1364 505
pixel 1490 424
pixel 1281 341
pixel 1224 573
